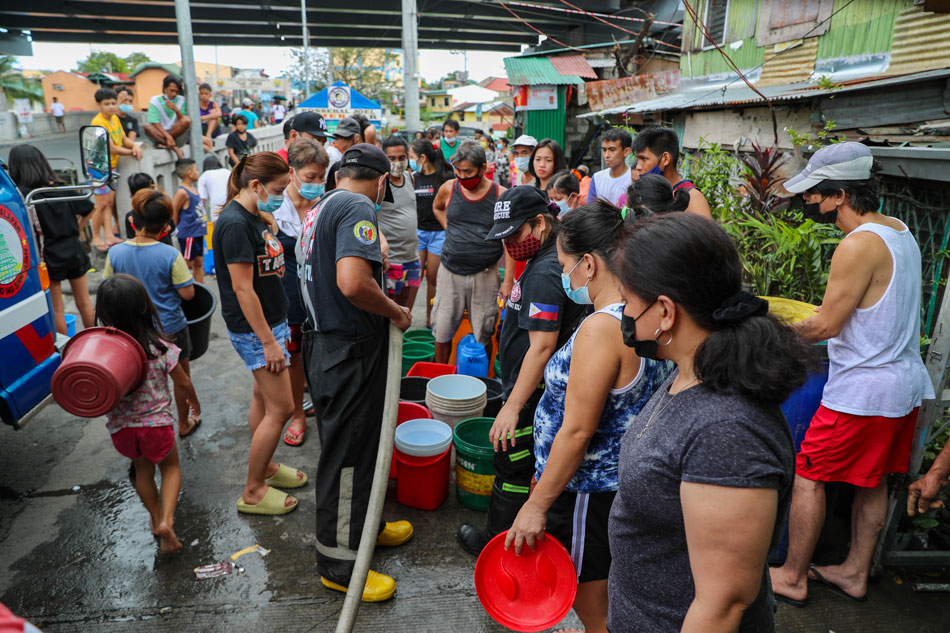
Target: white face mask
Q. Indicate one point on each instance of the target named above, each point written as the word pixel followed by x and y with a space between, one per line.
pixel 397 168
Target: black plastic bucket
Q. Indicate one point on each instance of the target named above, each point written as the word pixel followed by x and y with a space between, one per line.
pixel 198 311
pixel 493 393
pixel 413 389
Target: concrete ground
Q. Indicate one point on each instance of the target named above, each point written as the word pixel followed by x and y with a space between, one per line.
pixel 76 553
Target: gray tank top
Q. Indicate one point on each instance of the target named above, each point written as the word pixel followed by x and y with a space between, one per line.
pixel 397 221
pixel 467 223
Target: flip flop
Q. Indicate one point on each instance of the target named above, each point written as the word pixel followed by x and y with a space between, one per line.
pixel 832 587
pixel 294 438
pixel 194 428
pixel 308 409
pixel 792 602
pixel 272 503
pixel 286 477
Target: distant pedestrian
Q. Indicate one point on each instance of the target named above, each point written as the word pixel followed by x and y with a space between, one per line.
pixel 398 223
pixel 278 112
pixel 249 113
pixel 345 136
pixel 130 124
pixel 657 151
pixel 58 110
pixel 60 247
pixel 142 426
pixel 450 140
pixel 502 163
pixel 167 124
pixel 611 183
pixel 240 142
pixel 521 151
pixel 210 117
pixel 189 215
pixel 213 186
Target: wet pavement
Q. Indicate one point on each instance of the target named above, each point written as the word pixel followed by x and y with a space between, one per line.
pixel 76 553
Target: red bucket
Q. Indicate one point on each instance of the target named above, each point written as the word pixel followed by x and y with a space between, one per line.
pixel 101 365
pixel 423 481
pixel 407 411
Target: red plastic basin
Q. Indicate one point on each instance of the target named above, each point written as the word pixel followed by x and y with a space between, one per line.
pixel 407 411
pixel 431 370
pixel 101 365
pixel 423 482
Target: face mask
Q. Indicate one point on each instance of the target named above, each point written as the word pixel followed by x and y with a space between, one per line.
pixel 379 197
pixel 311 190
pixel 811 211
pixel 470 183
pixel 499 147
pixel 126 108
pixel 563 206
pixel 273 203
pixel 525 249
pixel 521 163
pixel 397 168
pixel 581 295
pixel 413 165
pixel 628 328
pixel 656 170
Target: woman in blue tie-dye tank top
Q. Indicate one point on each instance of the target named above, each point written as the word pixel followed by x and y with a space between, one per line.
pixel 578 424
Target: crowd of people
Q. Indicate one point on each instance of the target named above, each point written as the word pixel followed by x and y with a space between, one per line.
pixel 666 467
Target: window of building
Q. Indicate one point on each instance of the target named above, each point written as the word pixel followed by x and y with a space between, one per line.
pixel 715 20
pixel 446 102
pixel 787 20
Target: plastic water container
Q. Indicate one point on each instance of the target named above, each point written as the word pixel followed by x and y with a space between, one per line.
pixel 474 459
pixel 198 311
pixel 413 389
pixel 472 360
pixel 70 325
pixel 422 450
pixel 407 411
pixel 465 340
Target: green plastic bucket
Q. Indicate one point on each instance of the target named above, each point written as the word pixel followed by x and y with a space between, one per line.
pixel 474 462
pixel 413 353
pixel 419 336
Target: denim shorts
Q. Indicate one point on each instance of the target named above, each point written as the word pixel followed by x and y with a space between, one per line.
pixel 431 241
pixel 251 350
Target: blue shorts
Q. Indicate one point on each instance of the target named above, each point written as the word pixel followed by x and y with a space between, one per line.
pixel 104 189
pixel 431 241
pixel 251 350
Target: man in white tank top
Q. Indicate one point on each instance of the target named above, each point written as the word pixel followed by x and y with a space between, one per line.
pixel 870 316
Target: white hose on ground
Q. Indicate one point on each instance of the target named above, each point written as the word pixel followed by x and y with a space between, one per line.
pixel 377 496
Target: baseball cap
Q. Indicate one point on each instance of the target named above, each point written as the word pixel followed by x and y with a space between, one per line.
pixel 515 207
pixel 347 128
pixel 247 101
pixel 311 123
pixel 366 155
pixel 526 140
pixel 840 161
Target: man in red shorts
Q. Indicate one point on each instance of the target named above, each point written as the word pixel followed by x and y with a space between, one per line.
pixel 870 316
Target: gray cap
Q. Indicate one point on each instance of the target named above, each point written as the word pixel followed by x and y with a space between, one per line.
pixel 839 161
pixel 347 128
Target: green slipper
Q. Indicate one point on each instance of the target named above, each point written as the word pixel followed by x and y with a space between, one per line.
pixel 272 503
pixel 286 477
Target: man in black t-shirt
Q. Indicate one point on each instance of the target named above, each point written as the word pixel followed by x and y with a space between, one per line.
pixel 539 319
pixel 346 356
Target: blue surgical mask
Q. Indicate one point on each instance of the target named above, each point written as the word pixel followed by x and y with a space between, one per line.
pixel 126 108
pixel 311 190
pixel 379 199
pixel 521 163
pixel 413 165
pixel 273 203
pixel 656 170
pixel 563 206
pixel 580 295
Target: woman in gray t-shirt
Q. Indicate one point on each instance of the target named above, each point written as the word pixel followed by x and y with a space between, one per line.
pixel 706 470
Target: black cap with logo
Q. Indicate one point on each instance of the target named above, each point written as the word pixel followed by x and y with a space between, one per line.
pixel 515 207
pixel 370 156
pixel 311 123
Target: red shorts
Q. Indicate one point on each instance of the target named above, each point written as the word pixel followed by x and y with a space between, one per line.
pixel 151 442
pixel 855 449
pixel 295 342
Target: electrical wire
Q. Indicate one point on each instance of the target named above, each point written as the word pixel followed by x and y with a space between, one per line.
pixel 578 10
pixel 537 30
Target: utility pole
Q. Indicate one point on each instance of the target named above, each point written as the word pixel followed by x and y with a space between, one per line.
pixel 306 49
pixel 186 42
pixel 410 73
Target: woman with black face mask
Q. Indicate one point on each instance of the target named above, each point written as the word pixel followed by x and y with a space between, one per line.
pixel 706 470
pixel 579 423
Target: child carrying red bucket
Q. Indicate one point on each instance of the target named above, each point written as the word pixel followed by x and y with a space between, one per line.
pixel 142 424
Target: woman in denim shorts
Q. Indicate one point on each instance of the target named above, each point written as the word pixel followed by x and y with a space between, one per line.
pixel 249 261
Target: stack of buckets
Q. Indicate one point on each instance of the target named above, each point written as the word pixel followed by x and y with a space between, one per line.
pixel 454 398
pixel 418 346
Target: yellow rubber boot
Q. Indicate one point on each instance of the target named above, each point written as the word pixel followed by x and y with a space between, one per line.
pixel 379 587
pixel 395 533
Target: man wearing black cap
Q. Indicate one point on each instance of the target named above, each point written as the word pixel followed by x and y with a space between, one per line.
pixel 345 136
pixel 310 125
pixel 539 319
pixel 346 356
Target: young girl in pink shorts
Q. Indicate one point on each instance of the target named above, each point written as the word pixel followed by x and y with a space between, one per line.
pixel 142 425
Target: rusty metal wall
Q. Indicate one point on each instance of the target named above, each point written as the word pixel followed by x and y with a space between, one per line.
pixel 789 62
pixel 921 41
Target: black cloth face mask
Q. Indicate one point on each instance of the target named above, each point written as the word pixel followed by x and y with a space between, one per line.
pixel 811 211
pixel 628 328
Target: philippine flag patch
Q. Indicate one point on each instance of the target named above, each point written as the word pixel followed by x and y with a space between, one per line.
pixel 543 311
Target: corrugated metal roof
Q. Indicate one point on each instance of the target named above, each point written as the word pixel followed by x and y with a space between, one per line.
pixel 574 65
pixel 738 93
pixel 789 63
pixel 534 71
pixel 920 41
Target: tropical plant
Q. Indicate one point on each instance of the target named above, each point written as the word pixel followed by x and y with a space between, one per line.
pixel 762 179
pixel 14 85
pixel 109 62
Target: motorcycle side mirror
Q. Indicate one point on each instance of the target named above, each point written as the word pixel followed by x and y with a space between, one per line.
pixel 96 156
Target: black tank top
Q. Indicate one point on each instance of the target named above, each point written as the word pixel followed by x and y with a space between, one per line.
pixel 467 223
pixel 426 188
